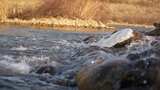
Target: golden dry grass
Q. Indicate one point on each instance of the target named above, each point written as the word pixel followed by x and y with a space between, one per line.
pixel 16 8
pixel 122 11
pixel 3 10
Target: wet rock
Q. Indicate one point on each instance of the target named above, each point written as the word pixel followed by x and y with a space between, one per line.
pixel 122 44
pixel 48 69
pixel 156 31
pixel 120 38
pixel 116 38
pixel 157 25
pixel 136 88
pixel 156 45
pixel 154 72
pixel 104 76
pixel 89 39
pixel 156 48
pixel 137 36
pixel 133 56
pixel 121 75
pixel 63 82
pixel 144 54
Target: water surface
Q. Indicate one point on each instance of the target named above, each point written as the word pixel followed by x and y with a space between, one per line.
pixel 24 49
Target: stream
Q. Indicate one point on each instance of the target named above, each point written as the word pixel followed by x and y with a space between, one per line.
pixel 24 51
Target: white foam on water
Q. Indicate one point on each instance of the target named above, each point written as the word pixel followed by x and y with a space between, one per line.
pixel 115 38
pixel 24 64
pixel 143 45
pixel 20 48
pixel 8 57
pixel 19 68
pixel 55 64
pixel 34 60
pixel 92 62
pixel 71 44
pixel 34 38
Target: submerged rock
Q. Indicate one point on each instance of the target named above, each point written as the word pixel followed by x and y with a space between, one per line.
pixel 133 56
pixel 89 39
pixel 121 75
pixel 47 69
pixel 156 31
pixel 120 38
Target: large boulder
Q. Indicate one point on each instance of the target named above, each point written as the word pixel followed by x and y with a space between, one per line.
pixel 121 75
pixel 156 31
pixel 105 76
pixel 120 38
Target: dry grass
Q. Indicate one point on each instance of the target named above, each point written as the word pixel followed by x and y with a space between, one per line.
pixel 54 22
pixel 18 8
pixel 3 10
pixel 134 14
pixel 122 11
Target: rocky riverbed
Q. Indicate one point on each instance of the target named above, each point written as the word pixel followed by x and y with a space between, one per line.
pixel 32 59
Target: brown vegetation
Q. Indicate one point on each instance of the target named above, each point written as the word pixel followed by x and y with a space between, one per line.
pixel 122 11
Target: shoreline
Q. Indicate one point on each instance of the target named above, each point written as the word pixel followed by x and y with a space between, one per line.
pixel 69 25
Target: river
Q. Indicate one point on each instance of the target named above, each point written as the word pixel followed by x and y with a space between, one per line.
pixel 23 50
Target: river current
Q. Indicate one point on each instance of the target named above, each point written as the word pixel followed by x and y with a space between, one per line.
pixel 24 50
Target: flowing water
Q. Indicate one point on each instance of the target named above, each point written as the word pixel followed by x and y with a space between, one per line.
pixel 24 50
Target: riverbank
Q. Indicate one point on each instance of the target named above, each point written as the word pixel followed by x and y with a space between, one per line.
pixel 64 24
pixel 71 25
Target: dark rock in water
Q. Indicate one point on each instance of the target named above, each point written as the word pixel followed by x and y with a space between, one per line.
pixel 121 75
pixel 122 44
pixel 46 69
pixel 157 25
pixel 156 31
pixel 156 48
pixel 137 36
pixel 145 54
pixel 137 89
pixel 133 57
pixel 63 82
pixel 89 39
pixel 104 76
